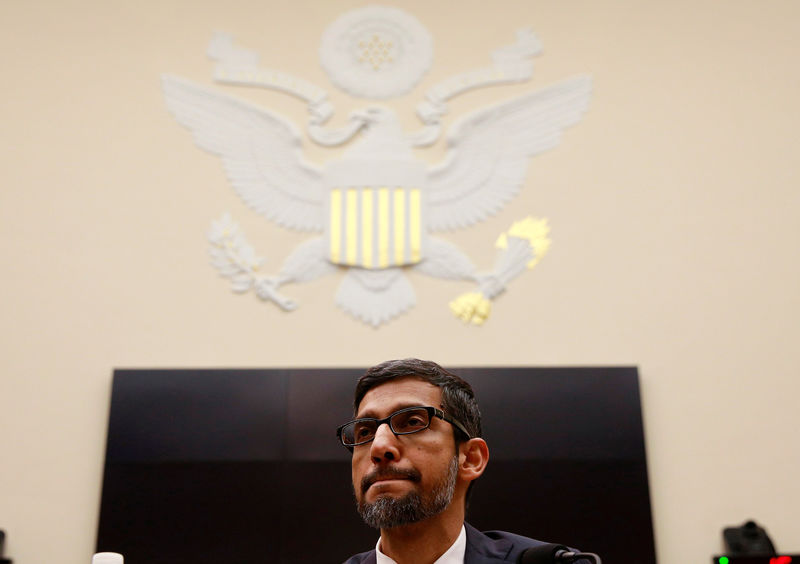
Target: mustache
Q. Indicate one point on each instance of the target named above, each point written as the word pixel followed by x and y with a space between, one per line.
pixel 389 474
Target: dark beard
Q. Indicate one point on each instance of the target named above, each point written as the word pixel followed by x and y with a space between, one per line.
pixel 387 512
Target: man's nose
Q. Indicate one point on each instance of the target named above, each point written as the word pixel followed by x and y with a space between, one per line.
pixel 385 446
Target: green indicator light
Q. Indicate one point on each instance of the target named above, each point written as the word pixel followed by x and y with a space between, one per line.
pixel 724 560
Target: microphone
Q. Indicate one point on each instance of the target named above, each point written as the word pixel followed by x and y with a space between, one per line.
pixel 554 554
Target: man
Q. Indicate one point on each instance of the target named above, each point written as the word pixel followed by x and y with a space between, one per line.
pixel 417 448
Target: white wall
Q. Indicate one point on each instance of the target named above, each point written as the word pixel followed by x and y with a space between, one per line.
pixel 674 207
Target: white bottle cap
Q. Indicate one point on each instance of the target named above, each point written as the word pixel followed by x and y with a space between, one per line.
pixel 107 558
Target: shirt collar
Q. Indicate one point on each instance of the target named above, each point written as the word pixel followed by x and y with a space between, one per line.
pixel 454 554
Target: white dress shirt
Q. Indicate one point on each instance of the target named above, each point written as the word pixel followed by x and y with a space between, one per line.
pixel 454 554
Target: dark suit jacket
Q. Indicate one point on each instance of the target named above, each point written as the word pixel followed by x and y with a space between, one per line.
pixel 491 547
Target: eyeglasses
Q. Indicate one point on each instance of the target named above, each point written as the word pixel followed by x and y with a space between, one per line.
pixel 402 422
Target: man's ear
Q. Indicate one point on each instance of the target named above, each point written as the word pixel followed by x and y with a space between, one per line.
pixel 473 455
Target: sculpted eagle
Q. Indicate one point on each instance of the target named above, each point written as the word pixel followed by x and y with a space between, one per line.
pixel 377 209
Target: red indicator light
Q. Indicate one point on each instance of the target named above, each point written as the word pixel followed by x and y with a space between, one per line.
pixel 781 560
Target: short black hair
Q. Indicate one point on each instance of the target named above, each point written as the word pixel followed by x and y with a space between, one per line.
pixel 458 397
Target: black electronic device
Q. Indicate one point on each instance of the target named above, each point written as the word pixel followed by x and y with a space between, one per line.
pixel 775 559
pixel 210 466
pixel 747 540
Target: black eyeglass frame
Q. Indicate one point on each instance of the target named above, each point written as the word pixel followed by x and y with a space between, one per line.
pixel 432 412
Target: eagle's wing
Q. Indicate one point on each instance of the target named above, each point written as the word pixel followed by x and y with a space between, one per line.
pixel 260 152
pixel 489 151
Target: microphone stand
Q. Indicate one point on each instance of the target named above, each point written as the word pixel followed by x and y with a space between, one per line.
pixel 555 554
pixel 568 556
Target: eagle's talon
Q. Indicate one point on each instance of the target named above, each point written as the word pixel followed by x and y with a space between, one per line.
pixel 267 290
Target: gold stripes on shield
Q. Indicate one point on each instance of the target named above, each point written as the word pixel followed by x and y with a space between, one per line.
pixel 375 227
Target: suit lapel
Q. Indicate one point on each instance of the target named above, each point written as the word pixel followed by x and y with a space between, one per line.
pixel 483 550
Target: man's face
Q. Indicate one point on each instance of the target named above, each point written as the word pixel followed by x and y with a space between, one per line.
pixel 406 478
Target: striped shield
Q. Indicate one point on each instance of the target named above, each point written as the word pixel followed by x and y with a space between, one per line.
pixel 375 227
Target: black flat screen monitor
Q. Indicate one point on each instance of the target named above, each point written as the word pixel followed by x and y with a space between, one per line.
pixel 243 466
